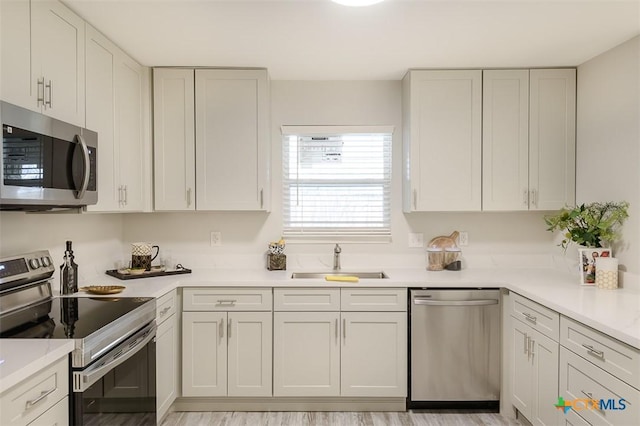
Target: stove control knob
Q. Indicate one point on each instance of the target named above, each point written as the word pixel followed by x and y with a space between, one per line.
pixel 34 263
pixel 45 261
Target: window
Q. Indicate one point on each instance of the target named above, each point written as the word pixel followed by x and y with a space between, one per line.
pixel 337 183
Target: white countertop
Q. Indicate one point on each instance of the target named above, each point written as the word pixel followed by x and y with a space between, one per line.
pixel 613 312
pixel 23 357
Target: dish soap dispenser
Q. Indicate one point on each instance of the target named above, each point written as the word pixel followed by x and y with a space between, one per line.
pixel 68 273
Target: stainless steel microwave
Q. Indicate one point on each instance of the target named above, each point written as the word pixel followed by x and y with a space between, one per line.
pixel 46 163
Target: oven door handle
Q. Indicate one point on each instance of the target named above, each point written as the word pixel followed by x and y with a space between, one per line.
pixel 82 380
pixel 477 302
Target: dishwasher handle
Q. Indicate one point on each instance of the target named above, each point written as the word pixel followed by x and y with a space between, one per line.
pixel 431 302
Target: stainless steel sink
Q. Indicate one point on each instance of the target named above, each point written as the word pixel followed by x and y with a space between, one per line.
pixel 363 275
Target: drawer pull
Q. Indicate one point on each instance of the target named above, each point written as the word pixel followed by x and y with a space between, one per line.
pixel 230 302
pixel 594 352
pixel 526 349
pixel 530 317
pixel 42 396
pixel 164 311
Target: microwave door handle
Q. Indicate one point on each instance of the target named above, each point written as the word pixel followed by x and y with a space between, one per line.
pixel 82 380
pixel 87 168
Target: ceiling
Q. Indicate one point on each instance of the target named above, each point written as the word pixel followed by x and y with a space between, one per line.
pixel 320 40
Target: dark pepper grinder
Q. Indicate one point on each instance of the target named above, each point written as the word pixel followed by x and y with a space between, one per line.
pixel 68 273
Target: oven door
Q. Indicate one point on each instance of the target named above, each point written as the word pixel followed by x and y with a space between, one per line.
pixel 118 388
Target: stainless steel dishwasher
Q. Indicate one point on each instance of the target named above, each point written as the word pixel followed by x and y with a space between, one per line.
pixel 455 348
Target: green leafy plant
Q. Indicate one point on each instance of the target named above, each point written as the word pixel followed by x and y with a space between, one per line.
pixel 590 225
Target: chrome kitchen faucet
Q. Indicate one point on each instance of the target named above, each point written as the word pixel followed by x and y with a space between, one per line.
pixel 336 257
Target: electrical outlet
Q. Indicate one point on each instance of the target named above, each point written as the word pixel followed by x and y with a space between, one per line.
pixel 216 238
pixel 463 239
pixel 416 240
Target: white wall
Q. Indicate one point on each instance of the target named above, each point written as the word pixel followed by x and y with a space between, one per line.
pixel 245 235
pixel 97 238
pixel 608 138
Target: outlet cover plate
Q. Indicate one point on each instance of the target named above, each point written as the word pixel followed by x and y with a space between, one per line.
pixel 416 240
pixel 463 239
pixel 216 238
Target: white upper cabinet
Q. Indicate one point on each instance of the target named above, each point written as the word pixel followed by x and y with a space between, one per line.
pixel 15 48
pixel 115 108
pixel 505 140
pixel 43 58
pixel 174 139
pixel 528 139
pixel 442 113
pixel 58 60
pixel 232 139
pixel 552 138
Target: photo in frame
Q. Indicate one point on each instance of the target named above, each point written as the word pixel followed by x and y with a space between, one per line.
pixel 587 260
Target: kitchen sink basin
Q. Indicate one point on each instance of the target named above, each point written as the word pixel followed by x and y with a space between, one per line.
pixel 363 275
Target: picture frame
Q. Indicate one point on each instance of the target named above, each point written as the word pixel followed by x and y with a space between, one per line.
pixel 587 262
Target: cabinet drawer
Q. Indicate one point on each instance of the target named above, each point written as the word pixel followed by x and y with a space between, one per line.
pixel 227 299
pixel 581 380
pixel 58 415
pixel 306 299
pixel 537 316
pixel 28 400
pixel 165 306
pixel 611 355
pixel 373 299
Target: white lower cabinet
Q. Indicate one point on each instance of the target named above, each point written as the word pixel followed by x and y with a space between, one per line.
pixel 306 354
pixel 226 353
pixel 374 354
pixel 167 355
pixel 40 399
pixel 331 353
pixel 534 374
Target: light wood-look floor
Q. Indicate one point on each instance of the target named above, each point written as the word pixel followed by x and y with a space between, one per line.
pixel 411 418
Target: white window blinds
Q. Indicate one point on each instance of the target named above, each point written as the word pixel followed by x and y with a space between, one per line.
pixel 337 184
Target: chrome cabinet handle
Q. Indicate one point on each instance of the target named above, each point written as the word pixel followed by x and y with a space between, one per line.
pixel 229 328
pixel 222 328
pixel 592 351
pixel 164 311
pixel 534 197
pixel 189 197
pixel 478 302
pixel 50 87
pixel 39 89
pixel 261 198
pixel 530 317
pixel 42 396
pixel 230 302
pixel 126 196
pixel 528 346
pixel 525 339
pixel 533 351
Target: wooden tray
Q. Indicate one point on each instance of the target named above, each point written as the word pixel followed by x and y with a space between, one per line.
pixel 147 274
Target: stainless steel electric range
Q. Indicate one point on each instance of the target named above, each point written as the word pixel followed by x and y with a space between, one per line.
pixel 112 379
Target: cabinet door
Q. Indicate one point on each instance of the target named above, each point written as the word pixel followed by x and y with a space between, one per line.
pixel 250 353
pixel 445 140
pixel 306 354
pixel 167 343
pixel 174 139
pixel 521 379
pixel 505 140
pixel 15 43
pixel 129 78
pixel 545 361
pixel 128 380
pixel 101 58
pixel 374 354
pixel 552 138
pixel 59 58
pixel 232 134
pixel 204 354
